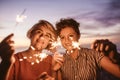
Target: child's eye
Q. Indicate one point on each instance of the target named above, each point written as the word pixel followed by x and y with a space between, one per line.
pixel 61 37
pixel 37 31
pixel 71 37
pixel 48 35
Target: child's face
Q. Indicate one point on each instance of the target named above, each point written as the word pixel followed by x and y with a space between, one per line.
pixel 67 35
pixel 41 38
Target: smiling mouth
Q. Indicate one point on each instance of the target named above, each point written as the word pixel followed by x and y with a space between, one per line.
pixel 41 43
pixel 67 44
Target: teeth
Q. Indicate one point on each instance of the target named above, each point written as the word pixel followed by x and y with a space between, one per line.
pixel 42 38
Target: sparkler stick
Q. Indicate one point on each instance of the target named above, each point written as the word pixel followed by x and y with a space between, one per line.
pixel 20 18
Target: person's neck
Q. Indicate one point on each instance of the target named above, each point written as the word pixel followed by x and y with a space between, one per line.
pixel 34 51
pixel 32 55
pixel 73 53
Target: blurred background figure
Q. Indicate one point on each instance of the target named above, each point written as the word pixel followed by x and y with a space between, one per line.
pixel 110 50
pixel 6 55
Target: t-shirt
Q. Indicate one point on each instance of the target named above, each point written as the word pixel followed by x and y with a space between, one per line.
pixel 85 67
pixel 23 70
pixel 107 76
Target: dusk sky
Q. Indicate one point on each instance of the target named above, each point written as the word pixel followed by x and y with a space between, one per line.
pixel 99 19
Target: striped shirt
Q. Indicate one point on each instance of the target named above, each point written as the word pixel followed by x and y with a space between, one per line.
pixel 85 67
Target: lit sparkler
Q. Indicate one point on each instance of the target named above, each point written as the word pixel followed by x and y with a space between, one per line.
pixel 38 56
pixel 20 18
pixel 55 44
pixel 60 49
pixel 42 55
pixel 75 44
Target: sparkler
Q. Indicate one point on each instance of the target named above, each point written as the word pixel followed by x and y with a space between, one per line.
pixel 39 56
pixel 75 44
pixel 42 55
pixel 20 18
pixel 55 44
pixel 60 49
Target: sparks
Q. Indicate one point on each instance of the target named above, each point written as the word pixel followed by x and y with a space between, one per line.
pixel 39 56
pixel 20 18
pixel 56 43
pixel 75 44
pixel 59 48
pixel 42 56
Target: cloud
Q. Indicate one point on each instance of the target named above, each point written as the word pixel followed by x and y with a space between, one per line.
pixel 90 35
pixel 111 14
pixel 107 15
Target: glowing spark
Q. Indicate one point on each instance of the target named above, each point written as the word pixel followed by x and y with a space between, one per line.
pixel 25 57
pixel 38 57
pixel 32 63
pixel 20 18
pixel 32 48
pixel 37 61
pixel 20 59
pixel 75 44
pixel 55 44
pixel 42 56
pixel 69 52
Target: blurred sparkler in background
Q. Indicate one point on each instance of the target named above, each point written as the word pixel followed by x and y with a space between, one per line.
pixel 20 18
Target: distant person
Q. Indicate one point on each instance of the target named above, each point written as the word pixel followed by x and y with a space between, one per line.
pixel 110 51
